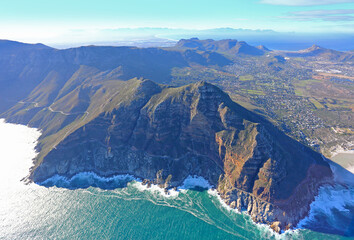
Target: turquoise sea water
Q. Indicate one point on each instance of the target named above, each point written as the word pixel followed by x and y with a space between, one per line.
pixel 132 212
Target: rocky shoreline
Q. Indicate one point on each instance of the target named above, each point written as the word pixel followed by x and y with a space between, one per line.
pixel 260 211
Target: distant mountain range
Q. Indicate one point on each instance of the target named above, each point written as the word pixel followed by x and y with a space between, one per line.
pixel 233 47
pixel 158 37
pixel 323 53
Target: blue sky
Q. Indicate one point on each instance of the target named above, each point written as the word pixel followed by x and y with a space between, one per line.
pixel 53 20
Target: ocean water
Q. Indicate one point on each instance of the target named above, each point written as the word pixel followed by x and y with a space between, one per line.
pixel 73 209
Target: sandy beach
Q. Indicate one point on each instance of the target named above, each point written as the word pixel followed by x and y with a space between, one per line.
pixel 344 158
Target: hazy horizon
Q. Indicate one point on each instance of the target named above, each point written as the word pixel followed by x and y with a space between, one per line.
pixel 166 37
pixel 69 23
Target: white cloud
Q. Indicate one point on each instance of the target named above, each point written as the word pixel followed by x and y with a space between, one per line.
pixel 324 12
pixel 344 15
pixel 305 2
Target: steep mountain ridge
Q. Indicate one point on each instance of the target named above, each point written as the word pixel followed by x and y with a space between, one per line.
pixel 164 134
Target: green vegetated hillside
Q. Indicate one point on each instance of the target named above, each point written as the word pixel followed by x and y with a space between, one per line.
pixel 29 66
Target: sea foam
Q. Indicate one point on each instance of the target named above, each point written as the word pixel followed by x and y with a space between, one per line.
pixel 88 179
pixel 91 179
pixel 195 181
pixel 333 207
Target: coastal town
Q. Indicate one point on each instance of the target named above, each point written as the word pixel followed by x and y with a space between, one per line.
pixel 305 97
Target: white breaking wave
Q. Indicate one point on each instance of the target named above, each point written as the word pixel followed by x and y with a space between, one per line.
pixel 330 207
pixel 330 197
pixel 190 182
pixel 87 179
pixel 155 189
pixel 195 181
pixel 333 203
pixel 268 233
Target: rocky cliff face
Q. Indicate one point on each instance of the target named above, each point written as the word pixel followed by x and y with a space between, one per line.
pixel 164 134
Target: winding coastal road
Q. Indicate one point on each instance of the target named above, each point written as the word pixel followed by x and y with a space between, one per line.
pixel 50 109
pixel 61 112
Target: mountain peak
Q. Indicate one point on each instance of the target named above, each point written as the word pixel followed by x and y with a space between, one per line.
pixel 211 88
pixel 314 48
pixel 228 46
pixel 262 47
